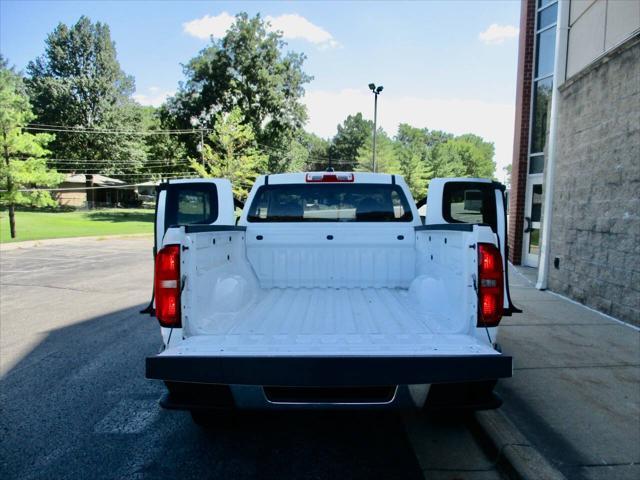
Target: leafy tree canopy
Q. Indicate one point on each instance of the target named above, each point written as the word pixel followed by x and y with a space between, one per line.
pixel 78 83
pixel 386 155
pixel 22 165
pixel 245 69
pixel 231 153
pixel 351 136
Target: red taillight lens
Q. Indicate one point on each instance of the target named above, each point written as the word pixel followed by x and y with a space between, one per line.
pixel 490 285
pixel 167 288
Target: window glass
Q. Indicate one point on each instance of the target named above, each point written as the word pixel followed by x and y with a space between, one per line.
pixel 469 202
pixel 536 164
pixel 545 52
pixel 541 108
pixel 193 207
pixel 190 204
pixel 534 241
pixel 543 3
pixel 330 202
pixel 536 203
pixel 548 16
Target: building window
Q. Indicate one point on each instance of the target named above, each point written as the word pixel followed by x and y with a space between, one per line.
pixel 548 16
pixel 545 52
pixel 542 82
pixel 541 107
pixel 536 163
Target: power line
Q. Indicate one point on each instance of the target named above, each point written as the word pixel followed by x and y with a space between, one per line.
pixel 82 187
pixel 72 129
pixel 77 129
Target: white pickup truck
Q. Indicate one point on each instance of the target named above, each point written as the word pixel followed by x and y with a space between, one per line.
pixel 330 291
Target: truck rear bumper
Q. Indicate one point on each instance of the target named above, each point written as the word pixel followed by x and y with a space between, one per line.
pixel 319 371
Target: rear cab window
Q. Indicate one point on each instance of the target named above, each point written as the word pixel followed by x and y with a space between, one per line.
pixel 329 202
pixel 192 204
pixel 470 202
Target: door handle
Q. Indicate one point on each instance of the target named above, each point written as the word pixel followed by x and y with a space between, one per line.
pixel 528 229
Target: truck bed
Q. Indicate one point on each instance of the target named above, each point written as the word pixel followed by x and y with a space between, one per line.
pixel 326 321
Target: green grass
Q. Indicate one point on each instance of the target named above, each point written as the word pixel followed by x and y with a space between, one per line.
pixel 40 225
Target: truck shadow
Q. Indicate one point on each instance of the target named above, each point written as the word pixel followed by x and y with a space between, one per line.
pixel 78 405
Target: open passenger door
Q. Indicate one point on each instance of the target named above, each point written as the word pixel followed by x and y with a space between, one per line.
pixel 207 201
pixel 472 201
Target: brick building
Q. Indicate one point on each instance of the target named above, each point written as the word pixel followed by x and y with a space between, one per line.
pixel 575 188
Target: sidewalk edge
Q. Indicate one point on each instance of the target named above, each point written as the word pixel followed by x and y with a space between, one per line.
pixel 50 241
pixel 515 454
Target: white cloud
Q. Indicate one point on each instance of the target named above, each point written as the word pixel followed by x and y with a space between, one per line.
pixel 207 26
pixel 155 96
pixel 292 26
pixel 492 121
pixel 497 34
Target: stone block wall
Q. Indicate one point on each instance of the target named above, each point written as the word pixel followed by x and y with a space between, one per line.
pixel 595 226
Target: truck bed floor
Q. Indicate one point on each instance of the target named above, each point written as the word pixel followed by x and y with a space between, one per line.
pixel 326 321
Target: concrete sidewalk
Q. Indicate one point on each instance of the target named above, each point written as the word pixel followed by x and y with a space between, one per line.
pixel 575 391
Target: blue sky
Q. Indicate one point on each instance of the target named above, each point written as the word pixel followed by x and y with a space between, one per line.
pixel 447 65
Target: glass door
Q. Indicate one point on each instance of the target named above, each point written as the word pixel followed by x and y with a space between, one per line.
pixel 533 213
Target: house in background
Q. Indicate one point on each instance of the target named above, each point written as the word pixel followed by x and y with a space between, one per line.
pixel 92 191
pixel 575 183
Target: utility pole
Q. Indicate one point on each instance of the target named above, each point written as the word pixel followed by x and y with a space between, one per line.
pixel 202 146
pixel 195 122
pixel 376 91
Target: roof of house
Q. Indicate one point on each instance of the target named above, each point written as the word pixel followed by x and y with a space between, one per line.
pixel 100 180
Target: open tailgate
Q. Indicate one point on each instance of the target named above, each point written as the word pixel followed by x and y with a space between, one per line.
pixel 456 358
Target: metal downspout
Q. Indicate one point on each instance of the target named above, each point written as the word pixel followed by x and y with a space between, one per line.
pixel 559 72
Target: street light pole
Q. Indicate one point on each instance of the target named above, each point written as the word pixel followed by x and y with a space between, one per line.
pixel 376 91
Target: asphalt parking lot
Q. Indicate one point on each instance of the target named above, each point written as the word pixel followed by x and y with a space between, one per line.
pixel 75 403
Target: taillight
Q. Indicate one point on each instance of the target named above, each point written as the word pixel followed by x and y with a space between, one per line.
pixel 490 285
pixel 167 287
pixel 329 177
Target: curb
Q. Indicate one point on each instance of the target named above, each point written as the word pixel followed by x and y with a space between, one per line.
pixel 515 454
pixel 64 240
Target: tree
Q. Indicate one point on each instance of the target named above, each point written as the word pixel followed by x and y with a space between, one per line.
pixel 166 154
pixel 78 83
pixel 351 136
pixel 318 152
pixel 22 166
pixel 479 161
pixel 464 156
pixel 386 155
pixel 232 153
pixel 413 154
pixel 507 171
pixel 246 69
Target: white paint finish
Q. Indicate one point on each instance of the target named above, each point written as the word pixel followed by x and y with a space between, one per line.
pixel 358 177
pixel 422 344
pixel 623 18
pixel 586 38
pixel 128 416
pixel 225 303
pixel 301 255
pixel 372 289
pixel 226 209
pixel 435 197
pixel 560 70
